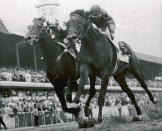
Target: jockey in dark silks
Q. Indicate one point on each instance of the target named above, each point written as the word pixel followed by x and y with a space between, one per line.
pixel 102 20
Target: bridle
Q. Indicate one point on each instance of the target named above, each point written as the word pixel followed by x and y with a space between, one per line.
pixel 82 35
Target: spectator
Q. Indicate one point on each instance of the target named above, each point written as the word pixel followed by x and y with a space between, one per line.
pixel 1 117
pixel 15 112
pixel 35 111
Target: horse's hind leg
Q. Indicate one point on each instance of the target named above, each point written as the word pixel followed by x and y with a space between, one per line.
pixel 122 82
pixel 143 84
pixel 92 92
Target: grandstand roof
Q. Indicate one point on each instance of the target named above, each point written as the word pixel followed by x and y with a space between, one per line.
pixel 3 27
pixel 149 58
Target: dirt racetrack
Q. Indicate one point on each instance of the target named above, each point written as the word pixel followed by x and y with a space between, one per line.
pixel 149 125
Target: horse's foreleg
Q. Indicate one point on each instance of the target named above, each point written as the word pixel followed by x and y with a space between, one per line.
pixel 101 99
pixel 121 80
pixel 60 93
pixel 69 90
pixel 84 72
pixel 92 92
pixel 59 89
pixel 72 86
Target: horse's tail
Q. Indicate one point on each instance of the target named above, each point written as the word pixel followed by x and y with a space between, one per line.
pixel 137 66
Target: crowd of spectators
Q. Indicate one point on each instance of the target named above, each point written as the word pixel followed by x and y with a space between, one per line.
pixel 22 74
pixel 26 104
pixel 16 107
pixel 18 104
pixel 30 75
pixel 132 82
pixel 114 103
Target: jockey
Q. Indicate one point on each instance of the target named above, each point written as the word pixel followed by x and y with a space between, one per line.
pixel 102 20
pixel 106 25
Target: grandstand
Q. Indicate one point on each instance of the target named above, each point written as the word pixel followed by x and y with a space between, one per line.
pixel 3 27
pixel 152 65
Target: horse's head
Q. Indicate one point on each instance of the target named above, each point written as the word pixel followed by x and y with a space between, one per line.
pixel 77 27
pixel 36 31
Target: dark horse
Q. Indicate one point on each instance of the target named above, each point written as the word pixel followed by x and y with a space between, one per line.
pixel 59 72
pixel 97 57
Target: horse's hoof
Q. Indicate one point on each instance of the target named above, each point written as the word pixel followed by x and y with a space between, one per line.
pixel 137 118
pixel 86 124
pixel 76 114
pixel 99 121
pixel 58 59
pixel 86 113
pixel 155 100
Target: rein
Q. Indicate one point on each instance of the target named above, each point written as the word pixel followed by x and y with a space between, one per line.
pixel 82 35
pixel 81 31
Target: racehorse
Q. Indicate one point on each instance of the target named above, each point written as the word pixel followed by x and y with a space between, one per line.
pixel 60 72
pixel 98 57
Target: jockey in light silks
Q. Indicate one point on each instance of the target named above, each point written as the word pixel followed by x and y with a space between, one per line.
pixel 102 20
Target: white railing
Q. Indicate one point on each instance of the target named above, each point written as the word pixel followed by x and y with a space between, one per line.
pixel 5 84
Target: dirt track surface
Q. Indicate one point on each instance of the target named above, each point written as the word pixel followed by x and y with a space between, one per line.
pixel 149 125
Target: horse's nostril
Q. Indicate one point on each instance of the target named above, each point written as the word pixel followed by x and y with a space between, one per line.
pixel 74 37
pixel 71 37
